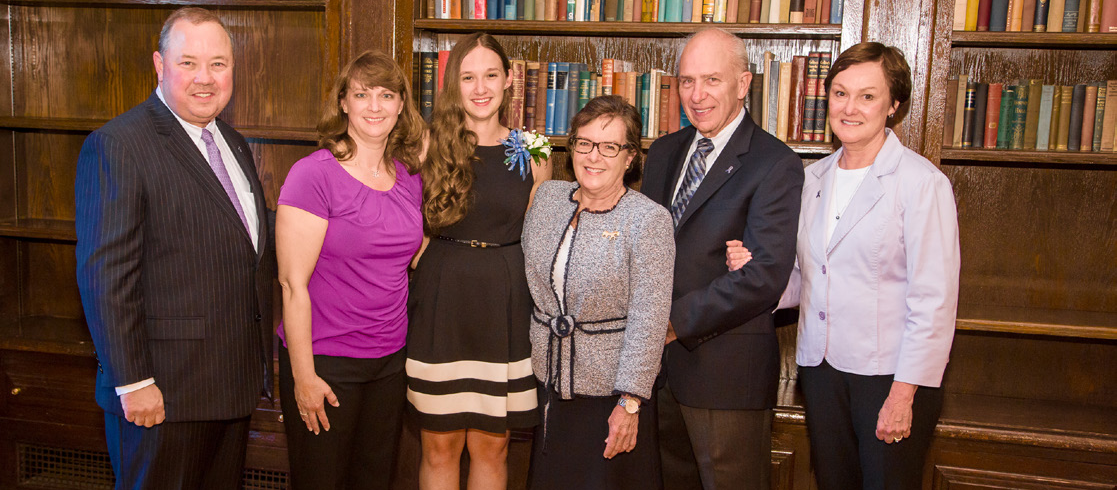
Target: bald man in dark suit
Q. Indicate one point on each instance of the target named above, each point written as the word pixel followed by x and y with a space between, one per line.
pixel 175 268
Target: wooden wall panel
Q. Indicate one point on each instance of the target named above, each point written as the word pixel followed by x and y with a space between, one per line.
pixel 9 285
pixel 46 164
pixel 5 61
pixel 101 58
pixel 48 273
pixel 1036 237
pixel 273 160
pixel 8 188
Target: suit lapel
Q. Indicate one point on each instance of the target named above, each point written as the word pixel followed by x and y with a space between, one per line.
pixel 815 206
pixel 730 160
pixel 675 164
pixel 185 152
pixel 248 167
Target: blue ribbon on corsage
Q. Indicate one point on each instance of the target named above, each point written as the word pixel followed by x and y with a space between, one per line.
pixel 518 156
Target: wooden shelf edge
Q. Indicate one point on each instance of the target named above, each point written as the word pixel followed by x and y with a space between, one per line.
pixel 84 349
pixel 61 230
pixel 217 4
pixel 627 29
pixel 1056 439
pixel 89 125
pixel 949 155
pixel 802 148
pixel 1043 329
pixel 1034 39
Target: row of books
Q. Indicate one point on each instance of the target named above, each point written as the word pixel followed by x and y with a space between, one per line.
pixel 788 99
pixel 1026 114
pixel 1036 15
pixel 728 11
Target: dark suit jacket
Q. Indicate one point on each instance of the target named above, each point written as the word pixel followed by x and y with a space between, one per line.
pixel 727 356
pixel 170 283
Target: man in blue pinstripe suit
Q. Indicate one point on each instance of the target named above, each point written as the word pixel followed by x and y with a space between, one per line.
pixel 175 268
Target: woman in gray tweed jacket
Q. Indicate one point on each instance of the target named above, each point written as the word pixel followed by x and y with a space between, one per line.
pixel 599 265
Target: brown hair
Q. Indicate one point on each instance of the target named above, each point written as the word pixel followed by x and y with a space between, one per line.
pixel 891 59
pixel 614 107
pixel 373 69
pixel 193 15
pixel 448 169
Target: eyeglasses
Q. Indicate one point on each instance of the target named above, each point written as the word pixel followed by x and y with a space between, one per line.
pixel 608 149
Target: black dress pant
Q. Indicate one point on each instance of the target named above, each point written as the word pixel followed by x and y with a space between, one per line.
pixel 842 411
pixel 710 449
pixel 177 455
pixel 359 450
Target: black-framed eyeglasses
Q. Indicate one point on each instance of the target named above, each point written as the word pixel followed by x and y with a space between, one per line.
pixel 608 149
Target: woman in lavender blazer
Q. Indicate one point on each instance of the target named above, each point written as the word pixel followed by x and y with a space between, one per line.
pixel 876 282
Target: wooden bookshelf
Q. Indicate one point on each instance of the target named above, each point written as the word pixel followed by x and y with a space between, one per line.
pixel 1042 40
pixel 628 29
pixel 53 335
pixel 955 156
pixel 44 229
pixel 1038 321
pixel 214 4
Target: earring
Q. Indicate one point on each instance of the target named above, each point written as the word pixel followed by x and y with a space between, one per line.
pixel 890 115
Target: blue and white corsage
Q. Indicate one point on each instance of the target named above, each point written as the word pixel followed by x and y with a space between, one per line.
pixel 522 147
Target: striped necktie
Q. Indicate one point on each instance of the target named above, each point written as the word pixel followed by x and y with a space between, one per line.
pixel 218 165
pixel 695 170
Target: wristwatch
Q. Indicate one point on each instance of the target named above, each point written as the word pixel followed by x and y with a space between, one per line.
pixel 630 405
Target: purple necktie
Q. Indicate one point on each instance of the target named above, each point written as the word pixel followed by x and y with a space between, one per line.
pixel 218 166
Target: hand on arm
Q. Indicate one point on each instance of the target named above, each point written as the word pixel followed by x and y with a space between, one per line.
pixel 894 419
pixel 299 237
pixel 736 255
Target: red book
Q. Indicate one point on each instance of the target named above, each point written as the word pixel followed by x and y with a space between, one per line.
pixel 983 10
pixel 665 103
pixel 516 105
pixel 1109 17
pixel 560 13
pixel 810 11
pixel 443 57
pixel 754 11
pixel 798 98
pixel 993 114
pixel 824 11
pixel 541 101
pixel 674 121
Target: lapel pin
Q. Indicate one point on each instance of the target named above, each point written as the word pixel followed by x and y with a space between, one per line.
pixel 818 195
pixel 612 235
pixel 729 170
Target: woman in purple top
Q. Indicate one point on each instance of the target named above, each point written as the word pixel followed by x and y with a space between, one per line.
pixel 348 223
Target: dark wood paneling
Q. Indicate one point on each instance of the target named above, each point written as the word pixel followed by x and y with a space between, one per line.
pixel 46 163
pixel 9 283
pixel 49 280
pixel 1037 237
pixel 1053 66
pixel 273 161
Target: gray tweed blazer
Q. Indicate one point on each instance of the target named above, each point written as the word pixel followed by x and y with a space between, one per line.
pixel 618 293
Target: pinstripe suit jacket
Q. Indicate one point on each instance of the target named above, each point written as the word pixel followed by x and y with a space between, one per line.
pixel 171 285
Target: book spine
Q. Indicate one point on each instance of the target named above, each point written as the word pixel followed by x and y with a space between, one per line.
pixel 972 7
pixel 810 11
pixel 707 10
pixel 1019 116
pixel 1039 23
pixel 644 82
pixel 981 98
pixel 959 110
pixel 1066 98
pixel 824 11
pixel 949 112
pixel 1055 15
pixel 766 12
pixel 429 71
pixel 969 112
pixel 756 98
pixel 541 100
pixel 611 10
pixel 1035 92
pixel 1093 16
pixel 993 114
pixel 1008 103
pixel 836 11
pixel 1087 141
pixel 664 105
pixel 1043 129
pixel 796 12
pixel 1108 16
pixel 983 15
pixel 810 104
pixel 572 81
pixel 754 11
pixel 960 15
pixel 1070 16
pixel 798 97
pixel 673 108
pixel 1109 123
pixel 516 104
pixel 552 97
pixel 1029 13
pixel 1056 114
pixel 773 96
pixel 531 94
pixel 1074 121
pixel 1013 16
pixel 822 124
pixel 784 101
pixel 584 94
pixel 1099 117
pixel 998 15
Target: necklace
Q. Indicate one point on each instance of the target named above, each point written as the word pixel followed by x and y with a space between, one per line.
pixel 376 173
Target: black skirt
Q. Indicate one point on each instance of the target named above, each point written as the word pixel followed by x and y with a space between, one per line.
pixel 571 456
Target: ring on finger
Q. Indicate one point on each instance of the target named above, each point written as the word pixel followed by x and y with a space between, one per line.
pixel 897 439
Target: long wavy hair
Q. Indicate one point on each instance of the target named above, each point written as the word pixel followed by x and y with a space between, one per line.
pixel 373 69
pixel 448 170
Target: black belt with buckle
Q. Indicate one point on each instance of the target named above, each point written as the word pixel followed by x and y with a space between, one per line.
pixel 475 243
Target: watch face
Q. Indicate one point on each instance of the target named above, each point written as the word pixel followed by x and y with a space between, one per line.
pixel 630 406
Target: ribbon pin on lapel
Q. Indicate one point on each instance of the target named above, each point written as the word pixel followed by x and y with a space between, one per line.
pixel 729 170
pixel 611 235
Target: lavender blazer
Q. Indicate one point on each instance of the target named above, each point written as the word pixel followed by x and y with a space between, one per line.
pixel 882 296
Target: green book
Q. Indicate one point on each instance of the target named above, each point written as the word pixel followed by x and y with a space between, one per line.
pixel 584 94
pixel 1099 116
pixel 1019 116
pixel 1008 106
